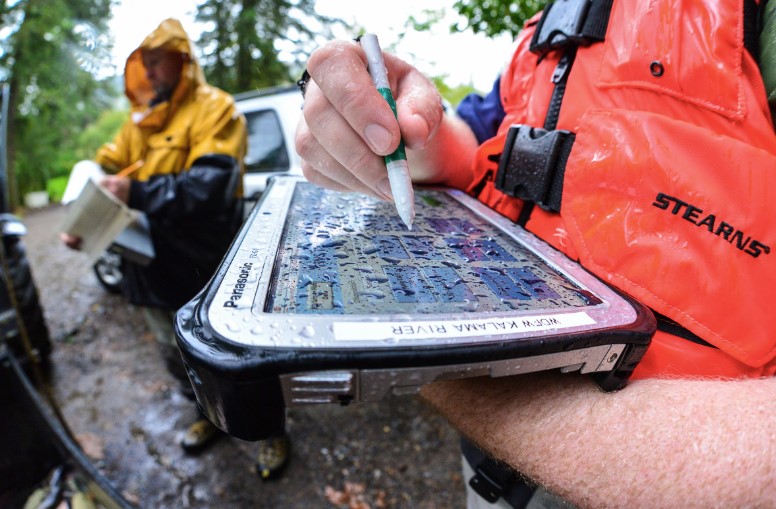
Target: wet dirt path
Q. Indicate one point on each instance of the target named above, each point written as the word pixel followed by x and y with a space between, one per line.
pixel 128 411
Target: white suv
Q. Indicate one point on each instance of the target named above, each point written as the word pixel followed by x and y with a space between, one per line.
pixel 272 115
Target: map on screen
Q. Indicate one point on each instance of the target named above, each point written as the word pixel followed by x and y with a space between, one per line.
pixel 347 253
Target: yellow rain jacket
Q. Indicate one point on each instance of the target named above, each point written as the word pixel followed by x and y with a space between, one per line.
pixel 188 158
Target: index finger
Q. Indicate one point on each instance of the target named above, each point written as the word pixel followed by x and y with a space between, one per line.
pixel 339 70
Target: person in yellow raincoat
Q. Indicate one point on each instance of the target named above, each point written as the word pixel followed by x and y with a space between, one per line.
pixel 188 141
pixel 179 160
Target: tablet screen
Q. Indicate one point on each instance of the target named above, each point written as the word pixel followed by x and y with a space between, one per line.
pixel 349 254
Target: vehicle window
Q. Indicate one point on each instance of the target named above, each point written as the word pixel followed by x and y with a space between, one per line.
pixel 266 146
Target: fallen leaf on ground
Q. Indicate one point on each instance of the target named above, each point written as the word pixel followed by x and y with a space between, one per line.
pixel 92 445
pixel 351 497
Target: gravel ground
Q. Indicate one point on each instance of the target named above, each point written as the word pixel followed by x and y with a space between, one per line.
pixel 128 412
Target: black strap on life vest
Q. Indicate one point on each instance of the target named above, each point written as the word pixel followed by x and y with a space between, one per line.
pixel 669 326
pixel 564 26
pixel 754 12
pixel 533 162
pixel 494 480
pixel 566 23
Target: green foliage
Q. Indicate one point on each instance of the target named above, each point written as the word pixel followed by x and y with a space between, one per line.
pixel 48 59
pixel 489 17
pixel 103 129
pixel 494 17
pixel 452 95
pixel 55 187
pixel 425 20
pixel 258 43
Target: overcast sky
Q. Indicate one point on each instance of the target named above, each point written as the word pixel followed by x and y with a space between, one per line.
pixel 465 58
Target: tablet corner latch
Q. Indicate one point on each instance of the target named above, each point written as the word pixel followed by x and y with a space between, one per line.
pixel 320 387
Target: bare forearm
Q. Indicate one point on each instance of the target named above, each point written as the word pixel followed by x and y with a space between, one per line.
pixel 656 443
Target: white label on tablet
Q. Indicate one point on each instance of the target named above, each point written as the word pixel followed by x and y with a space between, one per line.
pixel 525 325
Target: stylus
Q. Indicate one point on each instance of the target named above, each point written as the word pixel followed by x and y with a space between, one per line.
pixel 395 163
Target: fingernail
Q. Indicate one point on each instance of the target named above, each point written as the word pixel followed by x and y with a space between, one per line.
pixel 384 186
pixel 378 137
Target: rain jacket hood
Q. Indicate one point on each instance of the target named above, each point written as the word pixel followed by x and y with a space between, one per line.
pixel 169 35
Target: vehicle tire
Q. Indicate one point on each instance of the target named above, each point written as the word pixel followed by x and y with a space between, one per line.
pixel 109 271
pixel 29 309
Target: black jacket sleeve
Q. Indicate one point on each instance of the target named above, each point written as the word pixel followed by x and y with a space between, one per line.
pixel 204 191
pixel 193 217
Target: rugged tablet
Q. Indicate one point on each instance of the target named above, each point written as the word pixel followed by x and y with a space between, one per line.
pixel 327 297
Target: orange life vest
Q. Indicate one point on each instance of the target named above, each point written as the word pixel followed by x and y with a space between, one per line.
pixel 670 184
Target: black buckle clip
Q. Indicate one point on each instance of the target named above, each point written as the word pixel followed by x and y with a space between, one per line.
pixel 488 484
pixel 561 25
pixel 533 164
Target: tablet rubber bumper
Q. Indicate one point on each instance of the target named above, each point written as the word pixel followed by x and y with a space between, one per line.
pixel 245 390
